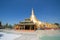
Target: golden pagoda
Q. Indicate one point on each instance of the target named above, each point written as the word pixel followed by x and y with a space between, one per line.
pixel 32 24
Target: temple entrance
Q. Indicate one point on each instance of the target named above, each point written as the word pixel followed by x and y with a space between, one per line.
pixel 32 27
pixel 27 27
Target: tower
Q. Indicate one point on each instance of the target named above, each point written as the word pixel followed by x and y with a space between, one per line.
pixel 34 19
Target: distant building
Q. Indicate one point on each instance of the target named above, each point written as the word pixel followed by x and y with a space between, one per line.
pixel 32 24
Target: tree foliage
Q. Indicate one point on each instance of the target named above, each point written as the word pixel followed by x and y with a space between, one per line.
pixel 8 26
pixel 57 24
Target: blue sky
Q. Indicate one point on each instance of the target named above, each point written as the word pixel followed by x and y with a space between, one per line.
pixel 14 11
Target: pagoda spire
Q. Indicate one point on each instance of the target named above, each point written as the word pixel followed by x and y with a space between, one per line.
pixel 34 19
pixel 32 15
pixel 32 11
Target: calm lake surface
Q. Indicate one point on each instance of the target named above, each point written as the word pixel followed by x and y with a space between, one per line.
pixel 49 35
pixel 50 38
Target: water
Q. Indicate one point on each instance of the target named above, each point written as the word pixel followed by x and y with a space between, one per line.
pixel 49 35
pixel 8 36
pixel 43 35
pixel 50 38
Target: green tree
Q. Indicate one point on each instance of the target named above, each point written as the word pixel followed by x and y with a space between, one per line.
pixel 57 24
pixel 10 26
pixel 6 25
pixel 1 25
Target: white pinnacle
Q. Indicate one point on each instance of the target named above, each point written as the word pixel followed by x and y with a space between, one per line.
pixel 33 18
